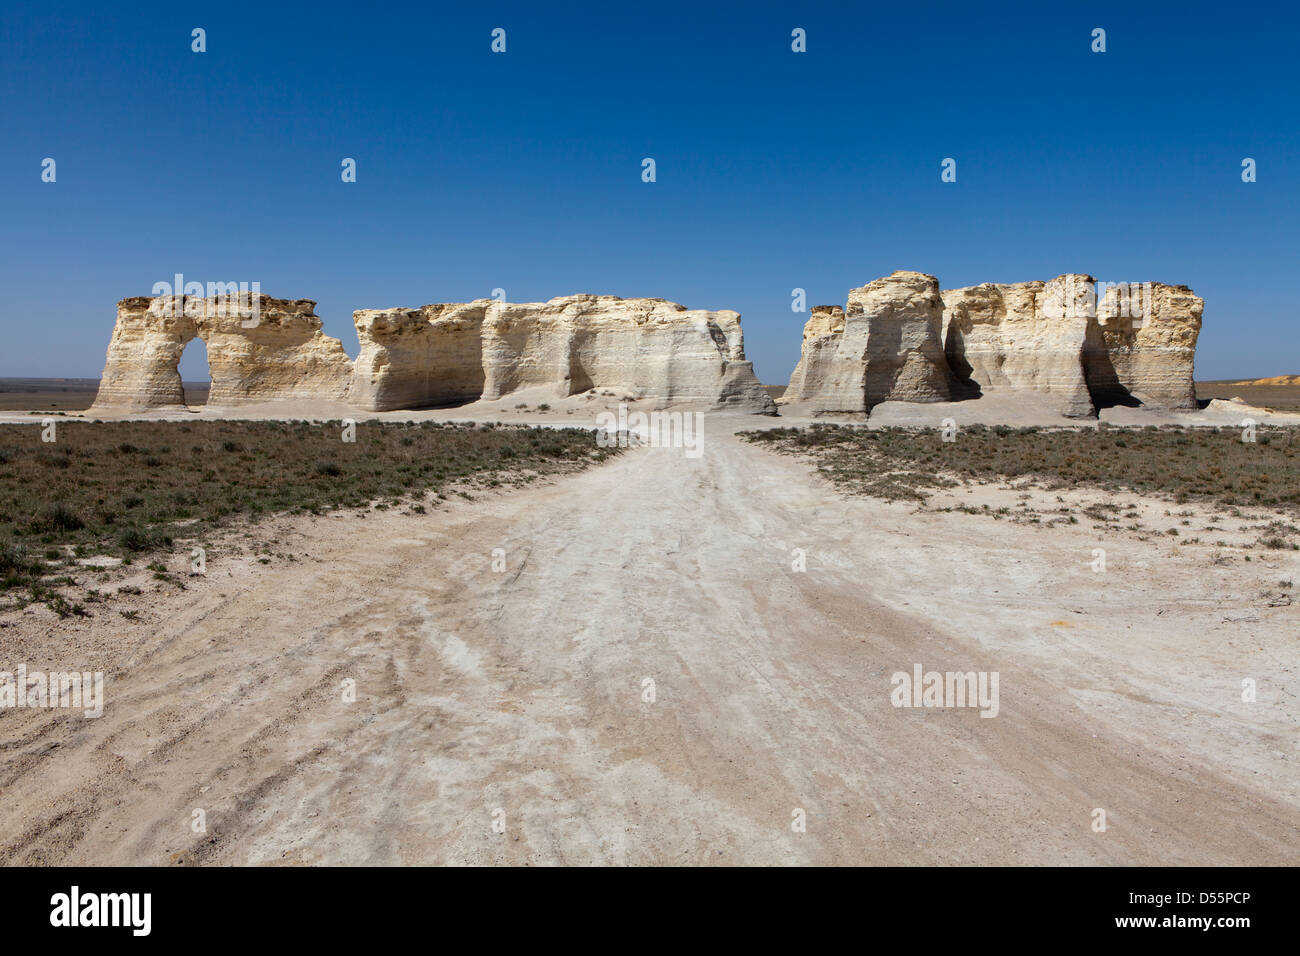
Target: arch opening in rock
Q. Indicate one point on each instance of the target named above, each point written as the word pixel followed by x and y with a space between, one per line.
pixel 195 372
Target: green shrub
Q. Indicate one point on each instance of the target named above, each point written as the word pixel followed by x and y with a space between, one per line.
pixel 57 518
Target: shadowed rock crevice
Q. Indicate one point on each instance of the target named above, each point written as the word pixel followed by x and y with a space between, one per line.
pixel 1100 377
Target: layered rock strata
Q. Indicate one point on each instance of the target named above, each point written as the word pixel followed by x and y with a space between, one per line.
pixel 272 352
pixel 1025 335
pixel 820 338
pixel 1136 347
pixel 886 345
pixel 646 348
pixel 442 354
pixel 1149 347
pixel 417 358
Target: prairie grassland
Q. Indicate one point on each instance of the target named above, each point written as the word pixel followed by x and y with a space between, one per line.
pixel 126 489
pixel 1181 464
pixel 1282 398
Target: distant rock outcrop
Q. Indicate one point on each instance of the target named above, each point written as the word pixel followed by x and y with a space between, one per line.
pixel 646 349
pixel 1274 380
pixel 1136 347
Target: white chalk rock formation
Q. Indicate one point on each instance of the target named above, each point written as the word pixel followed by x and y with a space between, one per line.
pixel 281 356
pixel 821 336
pixel 1147 334
pixel 143 355
pixel 1024 335
pixel 642 348
pixel 886 345
pixel 419 358
pixel 436 355
pixel 272 353
pixel 1137 346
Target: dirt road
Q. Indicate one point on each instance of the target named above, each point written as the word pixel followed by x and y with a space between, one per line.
pixel 521 698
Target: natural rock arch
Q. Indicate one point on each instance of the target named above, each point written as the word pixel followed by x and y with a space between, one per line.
pixel 273 352
pixel 436 355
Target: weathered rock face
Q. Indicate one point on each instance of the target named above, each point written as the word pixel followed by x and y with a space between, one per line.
pixel 820 338
pixel 141 368
pixel 436 355
pixel 419 358
pixel 280 354
pixel 904 318
pixel 283 357
pixel 1025 335
pixel 886 345
pixel 646 348
pixel 1147 335
pixel 1136 346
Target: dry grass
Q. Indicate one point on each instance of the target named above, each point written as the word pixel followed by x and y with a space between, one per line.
pixel 125 489
pixel 1182 464
pixel 1282 398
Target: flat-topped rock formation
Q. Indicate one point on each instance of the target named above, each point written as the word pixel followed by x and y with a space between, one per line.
pixel 886 345
pixel 649 348
pixel 417 358
pixel 1024 335
pixel 645 349
pixel 1136 347
pixel 898 339
pixel 1152 349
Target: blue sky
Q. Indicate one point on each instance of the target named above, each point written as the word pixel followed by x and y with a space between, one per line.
pixel 522 170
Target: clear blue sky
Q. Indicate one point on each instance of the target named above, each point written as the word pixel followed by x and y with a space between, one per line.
pixel 522 170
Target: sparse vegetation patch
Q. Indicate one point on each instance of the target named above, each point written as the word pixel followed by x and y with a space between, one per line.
pixel 128 489
pixel 1182 464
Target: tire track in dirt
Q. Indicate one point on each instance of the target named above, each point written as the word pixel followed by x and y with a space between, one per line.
pixel 522 691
